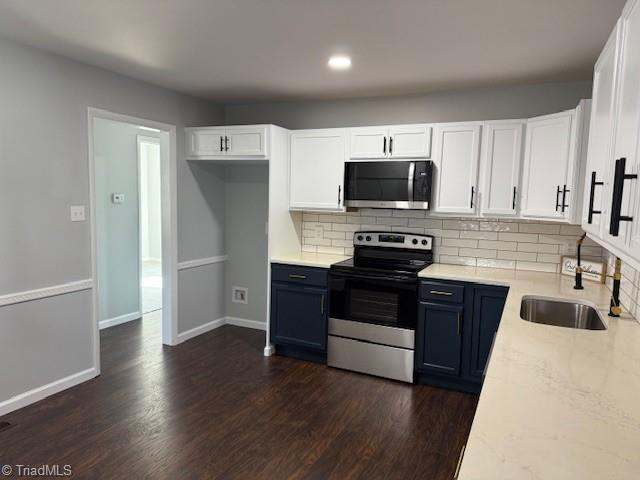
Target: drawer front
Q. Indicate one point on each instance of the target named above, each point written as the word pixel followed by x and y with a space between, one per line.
pixel 442 292
pixel 299 275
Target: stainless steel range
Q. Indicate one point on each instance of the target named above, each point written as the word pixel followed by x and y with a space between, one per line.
pixel 374 302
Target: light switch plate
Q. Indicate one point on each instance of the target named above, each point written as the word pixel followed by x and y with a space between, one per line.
pixel 117 197
pixel 77 213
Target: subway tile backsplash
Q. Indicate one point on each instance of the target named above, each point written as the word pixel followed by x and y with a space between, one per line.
pixel 509 244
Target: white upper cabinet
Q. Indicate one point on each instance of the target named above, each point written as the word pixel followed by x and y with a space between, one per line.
pixel 216 143
pixel 457 150
pixel 599 154
pixel 548 166
pixel 202 142
pixel 317 169
pixel 500 167
pixel 400 141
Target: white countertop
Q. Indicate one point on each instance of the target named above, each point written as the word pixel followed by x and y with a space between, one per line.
pixel 557 403
pixel 309 259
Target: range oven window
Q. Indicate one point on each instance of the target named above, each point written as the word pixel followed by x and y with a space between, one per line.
pixel 383 301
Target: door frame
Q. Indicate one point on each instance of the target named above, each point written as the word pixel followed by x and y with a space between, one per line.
pixel 168 176
pixel 140 139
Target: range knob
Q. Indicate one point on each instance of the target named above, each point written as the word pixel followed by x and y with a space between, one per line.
pixel 414 241
pixel 360 237
pixel 424 242
pixel 368 238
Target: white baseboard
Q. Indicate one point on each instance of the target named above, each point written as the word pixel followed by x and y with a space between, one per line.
pixel 199 330
pixel 37 394
pixel 243 322
pixel 112 322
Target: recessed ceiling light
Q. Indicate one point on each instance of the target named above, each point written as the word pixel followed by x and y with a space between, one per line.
pixel 339 62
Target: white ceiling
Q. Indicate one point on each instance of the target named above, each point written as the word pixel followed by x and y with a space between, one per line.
pixel 247 50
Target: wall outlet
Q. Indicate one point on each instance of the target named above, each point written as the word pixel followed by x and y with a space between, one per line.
pixel 76 212
pixel 117 198
pixel 240 295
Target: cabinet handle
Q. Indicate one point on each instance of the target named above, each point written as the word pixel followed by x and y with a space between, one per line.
pixel 384 145
pixel 564 197
pixel 294 276
pixel 592 192
pixel 439 292
pixel 558 198
pixel 459 322
pixel 221 147
pixel 322 305
pixel 513 205
pixel 473 191
pixel 339 194
pixel 390 145
pixel 226 143
pixel 618 190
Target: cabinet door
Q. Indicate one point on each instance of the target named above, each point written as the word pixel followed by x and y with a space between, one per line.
pixel 488 304
pixel 369 142
pixel 246 142
pixel 627 131
pixel 500 161
pixel 205 142
pixel 299 316
pixel 548 166
pixel 599 152
pixel 410 141
pixel 456 161
pixel 439 338
pixel 317 169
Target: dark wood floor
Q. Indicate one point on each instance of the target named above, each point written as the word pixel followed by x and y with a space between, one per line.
pixel 214 407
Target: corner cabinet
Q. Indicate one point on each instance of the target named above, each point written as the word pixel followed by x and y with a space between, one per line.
pixel 457 150
pixel 220 143
pixel 299 311
pixel 396 141
pixel 316 171
pixel 457 323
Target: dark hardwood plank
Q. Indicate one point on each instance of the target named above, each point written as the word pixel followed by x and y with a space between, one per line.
pixel 214 407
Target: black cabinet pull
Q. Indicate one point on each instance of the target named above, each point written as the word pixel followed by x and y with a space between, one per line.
pixel 390 145
pixel 513 204
pixel 339 194
pixel 473 191
pixel 592 192
pixel 618 191
pixel 221 147
pixel 384 145
pixel 564 197
pixel 558 198
pixel 226 143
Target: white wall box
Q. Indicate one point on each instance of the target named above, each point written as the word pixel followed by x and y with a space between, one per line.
pixel 316 173
pixel 221 143
pixel 396 141
pixel 500 162
pixel 553 166
pixel 456 154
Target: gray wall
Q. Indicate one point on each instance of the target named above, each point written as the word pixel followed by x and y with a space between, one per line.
pixel 247 205
pixel 43 170
pixel 472 104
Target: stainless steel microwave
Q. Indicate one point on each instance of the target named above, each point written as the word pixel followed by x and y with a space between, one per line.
pixel 389 184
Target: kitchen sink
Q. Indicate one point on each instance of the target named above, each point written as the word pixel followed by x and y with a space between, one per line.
pixel 561 313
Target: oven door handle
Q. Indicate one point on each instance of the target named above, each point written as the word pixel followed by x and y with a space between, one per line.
pixel 386 279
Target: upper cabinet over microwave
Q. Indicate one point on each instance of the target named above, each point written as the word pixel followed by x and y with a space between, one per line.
pixel 216 143
pixel 396 141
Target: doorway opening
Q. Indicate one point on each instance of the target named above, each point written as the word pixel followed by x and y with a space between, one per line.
pixel 133 225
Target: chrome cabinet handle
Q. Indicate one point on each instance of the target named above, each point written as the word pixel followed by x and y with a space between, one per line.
pixel 297 277
pixel 438 292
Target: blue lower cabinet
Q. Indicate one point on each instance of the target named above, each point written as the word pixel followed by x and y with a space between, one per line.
pixel 488 304
pixel 454 336
pixel 439 338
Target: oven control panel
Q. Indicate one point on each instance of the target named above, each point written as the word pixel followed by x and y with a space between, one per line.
pixel 393 240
